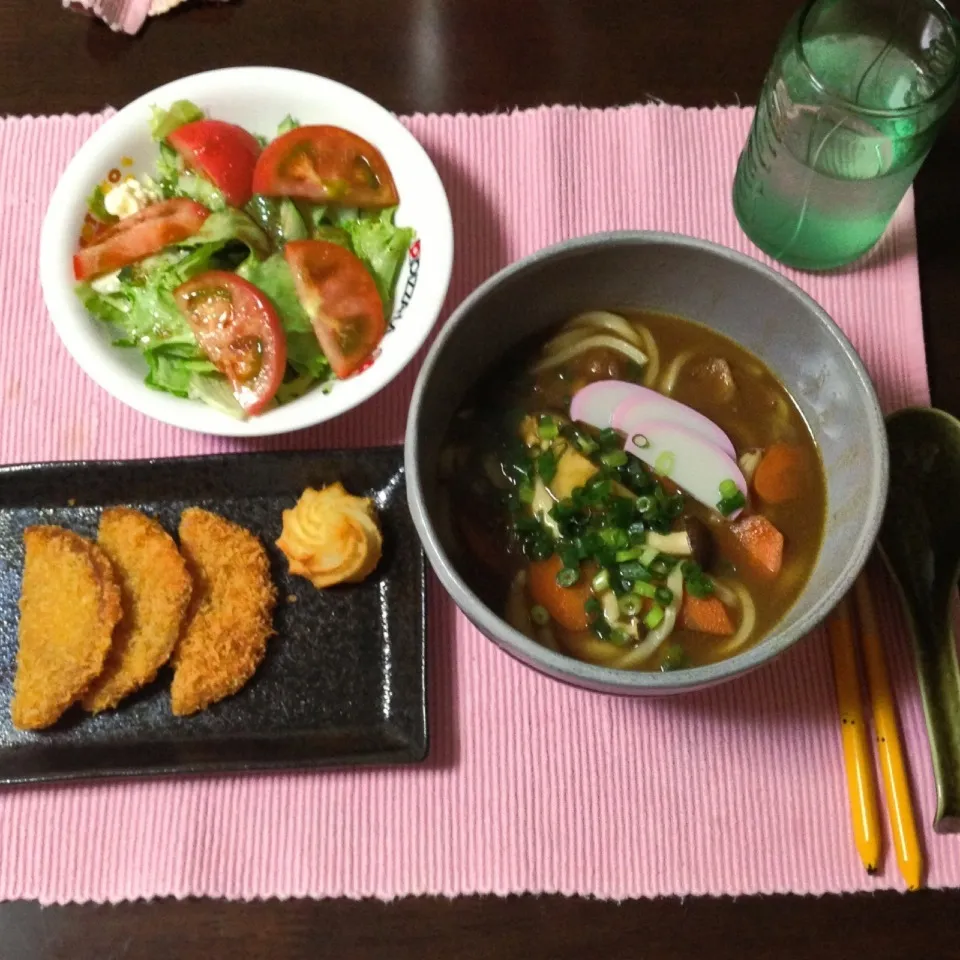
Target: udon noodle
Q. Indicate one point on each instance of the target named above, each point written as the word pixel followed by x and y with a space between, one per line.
pixel 597 550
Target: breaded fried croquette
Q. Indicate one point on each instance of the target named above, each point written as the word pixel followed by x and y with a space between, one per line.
pixel 69 606
pixel 231 614
pixel 155 591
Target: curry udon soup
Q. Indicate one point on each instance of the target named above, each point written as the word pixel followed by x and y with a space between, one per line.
pixel 637 492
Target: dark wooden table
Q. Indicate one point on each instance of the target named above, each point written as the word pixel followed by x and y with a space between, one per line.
pixel 480 55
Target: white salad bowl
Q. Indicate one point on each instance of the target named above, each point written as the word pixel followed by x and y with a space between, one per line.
pixel 258 99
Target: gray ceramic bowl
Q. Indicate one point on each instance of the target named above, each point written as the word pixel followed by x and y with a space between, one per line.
pixel 722 289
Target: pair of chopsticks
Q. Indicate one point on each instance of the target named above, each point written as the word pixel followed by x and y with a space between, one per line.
pixel 857 755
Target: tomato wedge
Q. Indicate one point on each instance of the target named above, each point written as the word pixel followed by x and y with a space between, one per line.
pixel 328 165
pixel 223 152
pixel 341 299
pixel 139 236
pixel 239 331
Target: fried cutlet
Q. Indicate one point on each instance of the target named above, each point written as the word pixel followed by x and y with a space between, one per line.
pixel 231 613
pixel 155 591
pixel 69 606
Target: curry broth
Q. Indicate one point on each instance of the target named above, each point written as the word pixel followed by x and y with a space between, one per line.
pixel 753 408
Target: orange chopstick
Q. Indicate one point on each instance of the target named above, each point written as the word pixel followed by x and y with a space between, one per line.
pixel 857 756
pixel 896 783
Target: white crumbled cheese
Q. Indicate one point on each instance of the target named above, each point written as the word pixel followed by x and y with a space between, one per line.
pixel 108 283
pixel 126 198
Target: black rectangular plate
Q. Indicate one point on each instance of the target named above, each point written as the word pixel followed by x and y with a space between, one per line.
pixel 343 682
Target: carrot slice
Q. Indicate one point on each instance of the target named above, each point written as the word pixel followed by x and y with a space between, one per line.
pixel 762 542
pixel 779 475
pixel 707 615
pixel 564 604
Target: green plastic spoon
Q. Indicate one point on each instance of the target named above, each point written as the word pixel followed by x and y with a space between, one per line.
pixel 920 540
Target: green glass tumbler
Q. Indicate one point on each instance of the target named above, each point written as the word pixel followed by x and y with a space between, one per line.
pixel 850 107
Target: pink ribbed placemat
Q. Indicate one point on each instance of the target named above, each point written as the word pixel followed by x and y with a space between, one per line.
pixel 531 785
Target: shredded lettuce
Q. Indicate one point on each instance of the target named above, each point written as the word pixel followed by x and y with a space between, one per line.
pixel 278 218
pixel 142 313
pixel 169 164
pixel 97 207
pixel 382 246
pixel 215 391
pixel 195 187
pixel 287 124
pixel 295 387
pixel 275 279
pixel 164 122
pixel 174 180
pixel 291 222
pixel 231 224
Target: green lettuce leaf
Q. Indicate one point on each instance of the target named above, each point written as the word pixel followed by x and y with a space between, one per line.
pixel 195 187
pixel 279 219
pixel 173 373
pixel 275 279
pixel 97 207
pixel 381 245
pixel 215 391
pixel 174 180
pixel 295 387
pixel 231 224
pixel 164 122
pixel 287 124
pixel 143 312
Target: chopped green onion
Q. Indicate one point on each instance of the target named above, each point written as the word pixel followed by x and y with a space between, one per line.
pixel 637 532
pixel 629 605
pixel 728 489
pixel 601 581
pixel 660 567
pixel 700 587
pixel 645 504
pixel 599 487
pixel 643 589
pixel 674 658
pixel 633 554
pixel 547 466
pixel 619 638
pixel 615 458
pixel 648 556
pixel 665 463
pixel 547 427
pixel 633 570
pixel 609 438
pixel 569 554
pixel 525 492
pixel 654 618
pixel 615 538
pixel 664 595
pixel 586 445
pixel 593 607
pixel 539 615
pixel 729 504
pixel 621 512
pixel 691 569
pixel 568 576
pixel 539 547
pixel 639 440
